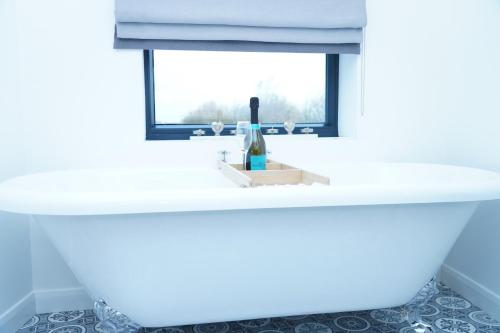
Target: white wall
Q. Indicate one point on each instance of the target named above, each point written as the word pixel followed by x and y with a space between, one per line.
pixel 432 94
pixel 431 72
pixel 15 259
pixel 474 135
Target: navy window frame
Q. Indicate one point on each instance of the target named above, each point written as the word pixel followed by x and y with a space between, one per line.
pixel 184 131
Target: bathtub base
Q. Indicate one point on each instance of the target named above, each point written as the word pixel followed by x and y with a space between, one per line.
pixel 112 321
pixel 414 307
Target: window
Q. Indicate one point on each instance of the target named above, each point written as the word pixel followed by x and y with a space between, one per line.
pixel 187 90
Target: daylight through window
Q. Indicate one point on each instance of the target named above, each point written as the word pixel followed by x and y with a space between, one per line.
pixel 201 87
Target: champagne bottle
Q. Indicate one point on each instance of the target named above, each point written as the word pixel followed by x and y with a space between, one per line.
pixel 256 154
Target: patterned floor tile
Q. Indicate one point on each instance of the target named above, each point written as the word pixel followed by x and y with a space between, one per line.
pixel 448 312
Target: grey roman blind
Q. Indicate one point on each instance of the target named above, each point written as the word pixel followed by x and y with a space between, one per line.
pixel 319 26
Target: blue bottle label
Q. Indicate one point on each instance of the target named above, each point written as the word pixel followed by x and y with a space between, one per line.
pixel 255 126
pixel 258 162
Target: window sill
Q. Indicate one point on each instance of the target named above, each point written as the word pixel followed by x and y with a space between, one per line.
pixel 267 137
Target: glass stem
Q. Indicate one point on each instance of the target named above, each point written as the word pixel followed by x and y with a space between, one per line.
pixel 243 165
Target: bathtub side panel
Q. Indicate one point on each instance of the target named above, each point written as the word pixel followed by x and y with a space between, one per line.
pixel 185 268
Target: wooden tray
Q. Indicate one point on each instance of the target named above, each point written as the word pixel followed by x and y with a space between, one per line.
pixel 275 174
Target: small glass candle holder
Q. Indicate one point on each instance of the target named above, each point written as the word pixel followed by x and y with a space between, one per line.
pixel 217 127
pixel 289 126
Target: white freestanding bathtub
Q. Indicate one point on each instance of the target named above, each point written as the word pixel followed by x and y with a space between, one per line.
pixel 170 247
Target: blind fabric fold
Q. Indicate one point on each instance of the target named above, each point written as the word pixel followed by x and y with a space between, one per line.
pixel 319 26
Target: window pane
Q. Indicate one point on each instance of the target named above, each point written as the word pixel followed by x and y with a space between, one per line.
pixel 193 87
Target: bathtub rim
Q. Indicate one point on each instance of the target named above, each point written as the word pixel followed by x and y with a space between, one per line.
pixel 38 202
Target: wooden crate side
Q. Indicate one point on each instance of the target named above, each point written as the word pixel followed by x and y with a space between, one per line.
pixel 309 178
pixel 274 177
pixel 235 175
pixel 276 174
pixel 278 166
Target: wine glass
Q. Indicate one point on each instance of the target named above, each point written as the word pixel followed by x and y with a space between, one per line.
pixel 244 137
pixel 217 127
pixel 289 126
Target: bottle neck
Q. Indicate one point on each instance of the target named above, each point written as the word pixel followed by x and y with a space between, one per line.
pixel 254 116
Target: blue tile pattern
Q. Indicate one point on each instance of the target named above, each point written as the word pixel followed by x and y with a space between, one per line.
pixel 448 312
